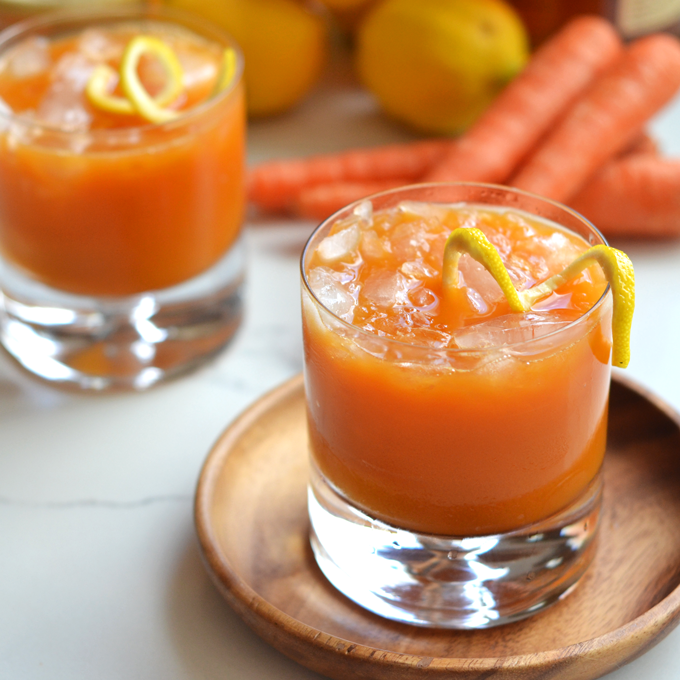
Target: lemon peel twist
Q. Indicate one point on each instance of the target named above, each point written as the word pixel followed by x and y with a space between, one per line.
pixel 153 109
pixel 137 99
pixel 615 264
pixel 97 91
pixel 227 70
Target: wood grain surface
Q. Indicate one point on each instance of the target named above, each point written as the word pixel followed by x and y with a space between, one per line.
pixel 251 519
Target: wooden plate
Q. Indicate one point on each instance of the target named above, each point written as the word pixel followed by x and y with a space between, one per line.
pixel 252 524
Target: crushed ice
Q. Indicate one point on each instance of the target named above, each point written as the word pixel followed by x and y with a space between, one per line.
pixel 29 58
pixel 330 293
pixel 510 329
pixel 63 104
pixel 340 245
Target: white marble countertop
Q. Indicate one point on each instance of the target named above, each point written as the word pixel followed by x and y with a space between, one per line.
pixel 100 575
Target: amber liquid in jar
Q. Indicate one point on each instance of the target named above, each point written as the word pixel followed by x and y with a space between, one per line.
pixel 632 18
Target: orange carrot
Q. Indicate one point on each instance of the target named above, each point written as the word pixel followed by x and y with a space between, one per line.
pixel 636 196
pixel 605 120
pixel 320 201
pixel 642 144
pixel 526 109
pixel 273 185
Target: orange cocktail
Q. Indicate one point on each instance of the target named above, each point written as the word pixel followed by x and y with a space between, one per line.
pixel 122 147
pixel 454 417
pixel 456 445
pixel 98 203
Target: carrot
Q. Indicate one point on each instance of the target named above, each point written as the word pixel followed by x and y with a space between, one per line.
pixel 605 120
pixel 273 185
pixel 320 201
pixel 637 196
pixel 642 144
pixel 553 79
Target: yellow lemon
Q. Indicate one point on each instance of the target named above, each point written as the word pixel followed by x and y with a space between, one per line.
pixel 617 268
pixel 283 43
pixel 437 64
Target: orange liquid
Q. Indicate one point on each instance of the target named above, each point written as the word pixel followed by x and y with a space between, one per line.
pixel 122 216
pixel 446 442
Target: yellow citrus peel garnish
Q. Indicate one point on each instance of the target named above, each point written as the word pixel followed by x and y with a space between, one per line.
pixel 153 109
pixel 137 99
pixel 615 264
pixel 98 91
pixel 228 70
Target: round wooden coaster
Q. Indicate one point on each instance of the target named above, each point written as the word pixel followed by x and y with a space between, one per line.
pixel 251 519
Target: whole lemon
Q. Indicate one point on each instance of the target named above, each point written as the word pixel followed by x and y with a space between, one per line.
pixel 284 46
pixel 437 64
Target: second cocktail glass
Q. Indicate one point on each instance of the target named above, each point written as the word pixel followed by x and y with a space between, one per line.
pixel 121 261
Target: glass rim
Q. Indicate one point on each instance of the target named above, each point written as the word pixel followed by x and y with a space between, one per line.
pixel 167 15
pixel 345 210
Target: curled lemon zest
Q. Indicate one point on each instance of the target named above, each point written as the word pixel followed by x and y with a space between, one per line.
pixel 616 265
pixel 151 108
pixel 97 91
pixel 137 100
pixel 472 241
pixel 227 70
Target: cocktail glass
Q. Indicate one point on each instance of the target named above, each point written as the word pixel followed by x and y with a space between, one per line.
pixel 456 488
pixel 121 258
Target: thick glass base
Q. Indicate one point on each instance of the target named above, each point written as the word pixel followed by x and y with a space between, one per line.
pixel 120 343
pixel 451 582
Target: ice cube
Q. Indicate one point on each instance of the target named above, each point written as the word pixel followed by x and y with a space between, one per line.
pixel 63 108
pixel 410 241
pixel 29 58
pixel 63 105
pixel 371 246
pixel 477 279
pixel 538 257
pixel 197 68
pixel 330 292
pixel 427 337
pixel 418 269
pixel 5 114
pixel 340 245
pixel 74 70
pixel 423 299
pixel 429 211
pixel 559 251
pixel 500 242
pixel 513 328
pixel 384 288
pixel 99 47
pixel 364 211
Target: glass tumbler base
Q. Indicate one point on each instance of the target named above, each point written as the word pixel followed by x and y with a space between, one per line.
pixel 451 582
pixel 120 343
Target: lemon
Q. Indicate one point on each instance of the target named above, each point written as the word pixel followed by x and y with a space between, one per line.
pixel 437 64
pixel 615 264
pixel 284 46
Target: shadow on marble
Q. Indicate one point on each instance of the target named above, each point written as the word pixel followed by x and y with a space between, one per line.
pixel 209 637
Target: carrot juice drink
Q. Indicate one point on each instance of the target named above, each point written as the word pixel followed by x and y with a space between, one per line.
pixel 132 207
pixel 438 410
pixel 121 169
